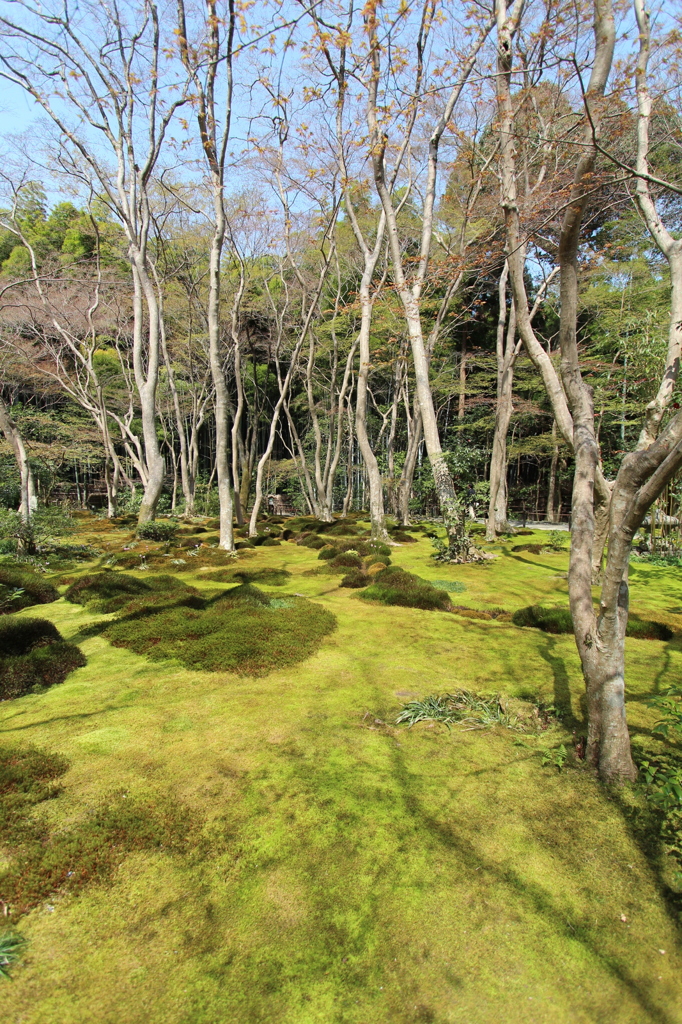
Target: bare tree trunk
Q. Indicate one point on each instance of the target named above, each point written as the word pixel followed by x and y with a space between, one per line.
pixel 461 402
pixel 146 379
pixel 552 504
pixel 29 501
pixel 376 494
pixel 506 356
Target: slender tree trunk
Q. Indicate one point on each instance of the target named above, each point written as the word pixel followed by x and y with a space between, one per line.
pixel 461 401
pixel 28 502
pixel 146 379
pixel 552 503
pixel 376 494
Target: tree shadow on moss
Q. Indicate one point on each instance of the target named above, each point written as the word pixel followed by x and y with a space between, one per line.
pixel 558 917
pixel 562 689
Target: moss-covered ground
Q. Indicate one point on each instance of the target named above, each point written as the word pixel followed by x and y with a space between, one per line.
pixel 345 870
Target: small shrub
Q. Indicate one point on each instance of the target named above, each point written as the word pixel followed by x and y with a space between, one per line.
pixel 34 657
pixel 661 778
pixel 23 588
pixel 355 579
pixel 241 631
pixel 396 587
pixel 328 552
pixel 271 542
pixel 157 530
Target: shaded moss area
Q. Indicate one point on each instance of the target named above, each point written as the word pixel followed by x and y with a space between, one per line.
pixel 111 591
pixel 243 630
pixel 21 587
pixel 33 656
pixel 560 620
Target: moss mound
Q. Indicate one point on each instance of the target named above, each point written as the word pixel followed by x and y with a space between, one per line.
pixel 244 630
pixel 559 620
pixel 22 588
pixel 114 591
pixel 311 540
pixel 395 586
pixel 355 579
pixel 34 657
pixel 401 536
pixel 268 577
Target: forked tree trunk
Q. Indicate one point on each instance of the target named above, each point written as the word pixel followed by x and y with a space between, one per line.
pixel 600 641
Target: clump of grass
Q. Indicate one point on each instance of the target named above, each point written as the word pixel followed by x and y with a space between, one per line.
pixel 463 708
pixel 241 631
pixel 11 947
pixel 560 620
pixel 395 586
pixel 34 657
pixel 22 588
pixel 110 591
